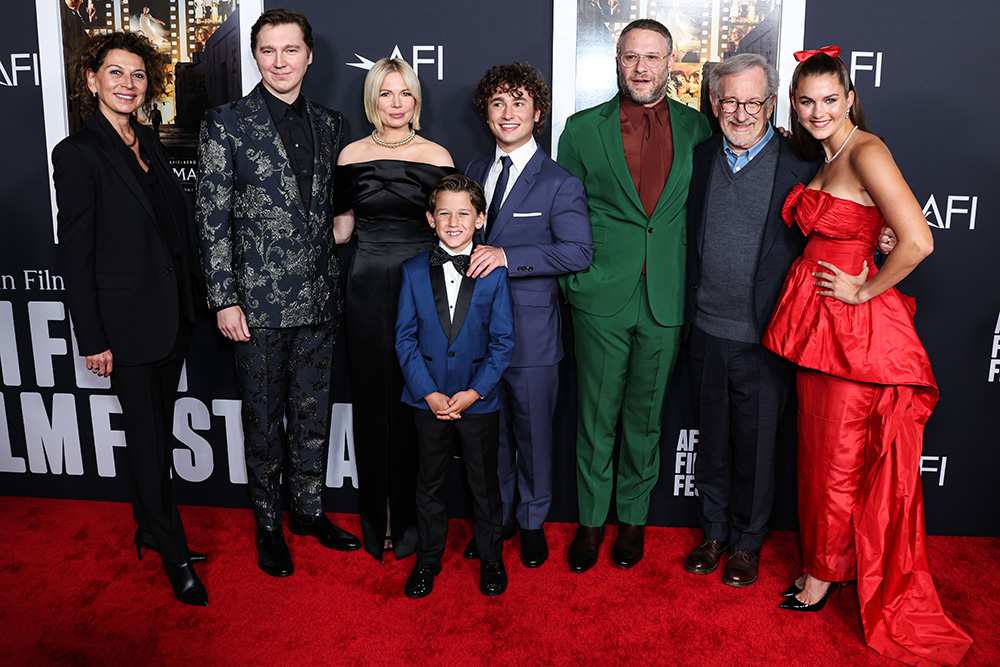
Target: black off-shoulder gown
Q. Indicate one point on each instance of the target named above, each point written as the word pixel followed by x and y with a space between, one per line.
pixel 389 200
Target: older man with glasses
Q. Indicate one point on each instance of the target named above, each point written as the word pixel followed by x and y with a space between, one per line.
pixel 738 255
pixel 633 154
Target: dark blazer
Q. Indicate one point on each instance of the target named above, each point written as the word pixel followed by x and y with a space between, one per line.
pixel 544 230
pixel 779 244
pixel 437 354
pixel 121 286
pixel 262 247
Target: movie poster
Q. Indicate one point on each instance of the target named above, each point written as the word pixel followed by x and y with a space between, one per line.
pixel 704 32
pixel 198 43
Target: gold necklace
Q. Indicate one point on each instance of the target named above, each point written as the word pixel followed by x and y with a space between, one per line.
pixel 393 144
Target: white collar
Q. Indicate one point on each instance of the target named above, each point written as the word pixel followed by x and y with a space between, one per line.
pixel 520 156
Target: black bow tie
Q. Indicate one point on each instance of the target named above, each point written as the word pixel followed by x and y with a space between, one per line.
pixel 439 257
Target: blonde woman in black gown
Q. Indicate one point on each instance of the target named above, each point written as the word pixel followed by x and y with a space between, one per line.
pixel 383 181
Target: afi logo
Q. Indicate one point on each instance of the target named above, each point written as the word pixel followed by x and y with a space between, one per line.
pixel 956 205
pixel 423 54
pixel 935 464
pixel 867 65
pixel 8 77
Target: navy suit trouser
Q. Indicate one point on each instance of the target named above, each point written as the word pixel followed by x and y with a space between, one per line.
pixel 528 396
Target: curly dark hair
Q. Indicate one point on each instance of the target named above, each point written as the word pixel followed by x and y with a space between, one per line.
pixel 508 79
pixel 90 57
pixel 821 65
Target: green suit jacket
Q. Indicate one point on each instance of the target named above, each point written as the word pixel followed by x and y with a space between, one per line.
pixel 624 237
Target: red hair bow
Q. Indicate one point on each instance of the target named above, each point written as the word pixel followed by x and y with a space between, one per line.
pixel 832 51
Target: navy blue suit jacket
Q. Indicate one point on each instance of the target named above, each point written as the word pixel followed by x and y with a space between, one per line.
pixel 438 354
pixel 544 230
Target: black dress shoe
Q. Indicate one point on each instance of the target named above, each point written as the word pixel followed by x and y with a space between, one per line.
pixel 472 549
pixel 793 603
pixel 704 559
pixel 742 567
pixel 792 591
pixel 320 527
pixel 272 553
pixel 144 541
pixel 492 577
pixel 584 548
pixel 628 545
pixel 420 583
pixel 186 584
pixel 534 548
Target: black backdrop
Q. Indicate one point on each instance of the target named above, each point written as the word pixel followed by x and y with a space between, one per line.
pixel 914 63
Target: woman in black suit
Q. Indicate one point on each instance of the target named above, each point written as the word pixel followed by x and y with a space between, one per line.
pixel 126 248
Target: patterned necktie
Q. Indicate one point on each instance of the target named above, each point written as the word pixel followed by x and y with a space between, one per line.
pixel 439 257
pixel 498 192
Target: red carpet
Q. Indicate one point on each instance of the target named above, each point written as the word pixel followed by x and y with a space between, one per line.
pixel 73 594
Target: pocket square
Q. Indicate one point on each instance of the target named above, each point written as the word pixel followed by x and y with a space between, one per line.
pixel 526 215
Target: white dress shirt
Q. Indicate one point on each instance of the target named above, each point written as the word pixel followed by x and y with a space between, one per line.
pixel 519 158
pixel 453 279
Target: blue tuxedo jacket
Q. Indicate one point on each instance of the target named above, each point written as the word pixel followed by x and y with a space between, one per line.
pixel 437 354
pixel 544 230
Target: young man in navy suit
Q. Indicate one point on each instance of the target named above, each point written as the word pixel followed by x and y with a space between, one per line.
pixel 538 229
pixel 454 338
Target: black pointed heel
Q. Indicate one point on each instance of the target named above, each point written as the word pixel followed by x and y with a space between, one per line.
pixel 142 541
pixel 793 603
pixel 792 591
pixel 186 584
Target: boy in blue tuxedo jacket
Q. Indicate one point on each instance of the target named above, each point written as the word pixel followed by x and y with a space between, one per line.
pixel 454 339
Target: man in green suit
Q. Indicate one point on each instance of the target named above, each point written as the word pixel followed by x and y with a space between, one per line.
pixel 633 155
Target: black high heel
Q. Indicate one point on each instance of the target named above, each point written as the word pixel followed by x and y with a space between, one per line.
pixel 794 604
pixel 792 591
pixel 186 584
pixel 143 542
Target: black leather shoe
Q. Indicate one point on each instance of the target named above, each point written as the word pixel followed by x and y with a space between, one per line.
pixel 186 584
pixel 742 567
pixel 792 591
pixel 704 559
pixel 320 527
pixel 584 548
pixel 492 577
pixel 272 553
pixel 534 548
pixel 420 583
pixel 472 549
pixel 144 541
pixel 628 547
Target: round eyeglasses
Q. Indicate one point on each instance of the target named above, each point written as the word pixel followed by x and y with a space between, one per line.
pixel 752 107
pixel 652 60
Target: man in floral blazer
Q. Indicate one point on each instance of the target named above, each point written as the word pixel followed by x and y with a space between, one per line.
pixel 265 182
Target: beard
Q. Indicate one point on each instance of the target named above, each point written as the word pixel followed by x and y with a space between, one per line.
pixel 656 92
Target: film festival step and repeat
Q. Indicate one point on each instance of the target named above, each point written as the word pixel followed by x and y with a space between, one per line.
pixel 912 62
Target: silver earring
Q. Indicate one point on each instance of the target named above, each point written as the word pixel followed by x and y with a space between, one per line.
pixel 848 114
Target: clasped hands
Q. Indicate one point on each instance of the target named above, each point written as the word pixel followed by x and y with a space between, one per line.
pixel 447 409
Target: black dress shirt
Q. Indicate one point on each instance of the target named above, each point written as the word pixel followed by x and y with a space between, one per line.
pixel 292 123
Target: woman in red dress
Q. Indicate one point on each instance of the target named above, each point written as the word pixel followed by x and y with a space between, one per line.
pixel 864 380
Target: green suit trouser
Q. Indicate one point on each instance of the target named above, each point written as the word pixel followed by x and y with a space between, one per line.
pixel 623 363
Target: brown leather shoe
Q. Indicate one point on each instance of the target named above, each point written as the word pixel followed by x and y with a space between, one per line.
pixel 741 568
pixel 628 545
pixel 705 557
pixel 585 547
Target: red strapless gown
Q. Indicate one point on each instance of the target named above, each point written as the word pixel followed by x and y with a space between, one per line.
pixel 862 472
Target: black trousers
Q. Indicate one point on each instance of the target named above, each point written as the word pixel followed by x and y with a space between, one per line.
pixel 147 393
pixel 739 392
pixel 284 374
pixel 478 437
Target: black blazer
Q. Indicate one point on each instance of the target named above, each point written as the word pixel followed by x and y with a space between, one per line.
pixel 779 245
pixel 121 285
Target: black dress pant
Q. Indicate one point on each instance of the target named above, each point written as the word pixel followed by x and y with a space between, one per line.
pixel 284 374
pixel 478 437
pixel 147 393
pixel 739 392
